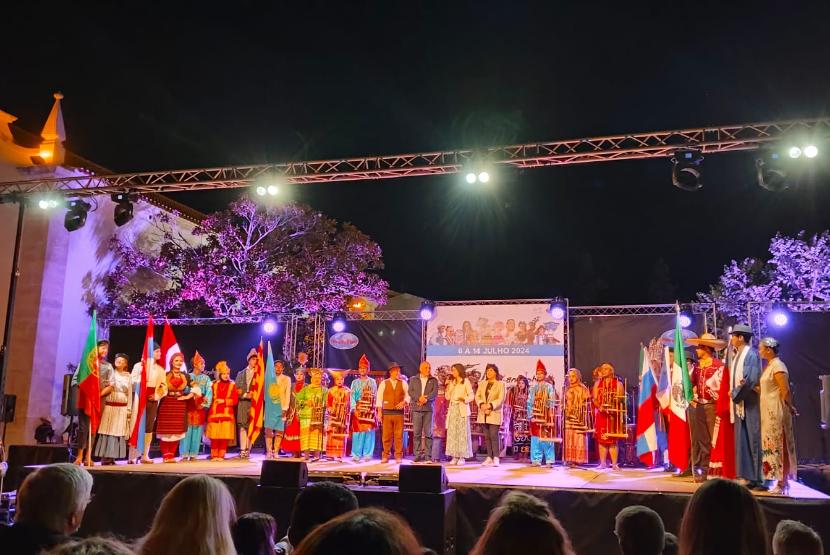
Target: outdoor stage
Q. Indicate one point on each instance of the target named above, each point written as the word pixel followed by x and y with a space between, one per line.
pixel 584 499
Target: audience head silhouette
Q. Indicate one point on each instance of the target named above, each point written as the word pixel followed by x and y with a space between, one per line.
pixel 362 531
pixel 317 504
pixel 640 531
pixel 796 538
pixel 254 534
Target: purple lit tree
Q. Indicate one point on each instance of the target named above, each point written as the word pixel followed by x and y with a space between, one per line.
pixel 246 260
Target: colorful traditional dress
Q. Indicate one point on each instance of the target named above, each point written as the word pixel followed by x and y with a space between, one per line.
pixel 114 430
pixel 539 448
pixel 722 457
pixel 519 424
pixel 606 388
pixel 746 366
pixel 220 420
pixel 576 439
pixel 197 407
pixel 459 441
pixel 777 439
pixel 311 411
pixel 291 441
pixel 363 395
pixel 338 399
pixel 172 417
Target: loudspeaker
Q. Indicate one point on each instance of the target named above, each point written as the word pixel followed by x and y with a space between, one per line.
pixel 284 474
pixel 429 478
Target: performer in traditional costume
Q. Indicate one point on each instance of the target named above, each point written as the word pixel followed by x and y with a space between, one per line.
pixel 702 410
pixel 460 394
pixel 489 399
pixel 745 373
pixel 197 409
pixel 311 407
pixel 423 389
pixel 339 406
pixel 291 440
pixel 244 379
pixel 439 417
pixel 607 392
pixel 172 416
pixel 114 431
pixel 722 455
pixel 154 386
pixel 364 419
pixel 577 409
pixel 392 396
pixel 105 372
pixel 777 440
pixel 220 421
pixel 277 403
pixel 519 423
pixel 541 403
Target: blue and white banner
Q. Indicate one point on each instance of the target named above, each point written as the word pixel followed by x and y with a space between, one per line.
pixel 511 336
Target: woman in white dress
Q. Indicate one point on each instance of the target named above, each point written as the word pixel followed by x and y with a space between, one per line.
pixel 777 410
pixel 459 394
pixel 113 432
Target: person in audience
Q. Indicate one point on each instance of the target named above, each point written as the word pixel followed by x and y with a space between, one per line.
pixel 723 517
pixel 640 531
pixel 113 431
pixel 316 504
pixel 371 530
pixel 194 518
pixel 95 545
pixel 255 534
pixel 778 461
pixel 795 538
pixel 522 524
pixel 50 506
pixel 670 544
pixel 459 394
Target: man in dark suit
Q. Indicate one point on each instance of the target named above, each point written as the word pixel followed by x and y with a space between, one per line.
pixel 422 390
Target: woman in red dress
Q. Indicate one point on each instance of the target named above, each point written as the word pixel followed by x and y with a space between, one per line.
pixel 171 425
pixel 291 441
pixel 607 392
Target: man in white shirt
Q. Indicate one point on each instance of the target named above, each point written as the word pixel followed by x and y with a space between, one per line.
pixel 155 387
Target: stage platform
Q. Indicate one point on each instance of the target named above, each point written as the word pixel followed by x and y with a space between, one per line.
pixel 584 499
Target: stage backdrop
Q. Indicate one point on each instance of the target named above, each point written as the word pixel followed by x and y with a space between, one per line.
pixel 512 336
pixel 382 341
pixel 230 342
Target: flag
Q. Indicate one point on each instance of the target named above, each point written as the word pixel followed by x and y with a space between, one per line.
pixel 681 394
pixel 89 385
pixel 272 402
pixel 139 418
pixel 663 389
pixel 257 390
pixel 646 428
pixel 170 347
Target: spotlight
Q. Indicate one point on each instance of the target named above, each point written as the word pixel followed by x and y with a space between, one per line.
pixel 484 177
pixel 338 322
pixel 794 152
pixel 76 214
pixel 771 178
pixel 269 326
pixel 273 190
pixel 261 191
pixel 43 204
pixel 685 174
pixel 779 317
pixel 557 309
pixel 47 203
pixel 123 208
pixel 427 310
pixel 471 178
pixel 685 318
pixel 811 151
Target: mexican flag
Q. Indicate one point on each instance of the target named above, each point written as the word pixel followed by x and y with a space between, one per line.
pixel 681 395
pixel 89 385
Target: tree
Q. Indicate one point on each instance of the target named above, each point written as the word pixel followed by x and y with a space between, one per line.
pixel 246 260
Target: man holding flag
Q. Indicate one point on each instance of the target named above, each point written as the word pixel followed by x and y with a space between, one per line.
pixel 249 413
pixel 148 380
pixel 681 396
pixel 92 376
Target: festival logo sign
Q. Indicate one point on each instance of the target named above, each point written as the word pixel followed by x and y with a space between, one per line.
pixel 343 341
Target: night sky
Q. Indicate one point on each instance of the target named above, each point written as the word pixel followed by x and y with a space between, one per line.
pixel 158 88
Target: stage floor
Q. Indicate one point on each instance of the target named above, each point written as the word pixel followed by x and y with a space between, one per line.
pixel 508 474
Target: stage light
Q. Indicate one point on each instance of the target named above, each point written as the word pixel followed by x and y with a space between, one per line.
pixel 427 310
pixel 484 177
pixel 76 214
pixel 338 322
pixel 685 174
pixel 811 151
pixel 123 208
pixel 771 177
pixel 48 202
pixel 794 152
pixel 269 326
pixel 273 190
pixel 261 191
pixel 43 204
pixel 557 309
pixel 779 317
pixel 471 178
pixel 685 318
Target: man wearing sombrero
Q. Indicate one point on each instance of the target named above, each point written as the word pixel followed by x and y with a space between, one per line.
pixel 744 375
pixel 702 408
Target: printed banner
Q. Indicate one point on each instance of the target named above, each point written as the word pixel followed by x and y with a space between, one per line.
pixel 511 336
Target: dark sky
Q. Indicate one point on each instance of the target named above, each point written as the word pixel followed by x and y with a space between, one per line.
pixel 156 87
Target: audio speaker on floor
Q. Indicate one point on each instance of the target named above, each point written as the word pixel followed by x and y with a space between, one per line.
pixel 284 474
pixel 429 478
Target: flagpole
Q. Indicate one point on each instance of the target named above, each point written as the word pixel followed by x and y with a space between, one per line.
pixel 89 445
pixel 688 419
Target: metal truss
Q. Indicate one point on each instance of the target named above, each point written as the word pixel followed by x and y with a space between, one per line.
pixel 282 318
pixel 657 144
pixel 387 315
pixel 496 302
pixel 635 310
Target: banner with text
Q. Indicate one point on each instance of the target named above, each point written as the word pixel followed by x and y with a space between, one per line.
pixel 512 336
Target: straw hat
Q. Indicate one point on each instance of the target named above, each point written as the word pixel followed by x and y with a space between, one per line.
pixel 708 340
pixel 667 338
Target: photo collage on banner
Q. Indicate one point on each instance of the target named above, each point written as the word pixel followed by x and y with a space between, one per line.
pixel 512 336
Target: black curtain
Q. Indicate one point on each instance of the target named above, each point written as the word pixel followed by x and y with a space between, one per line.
pixel 383 341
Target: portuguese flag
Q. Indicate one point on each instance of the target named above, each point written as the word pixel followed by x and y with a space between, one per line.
pixel 89 387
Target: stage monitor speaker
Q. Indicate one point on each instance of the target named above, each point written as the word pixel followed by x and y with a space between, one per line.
pixel 429 478
pixel 284 474
pixel 21 456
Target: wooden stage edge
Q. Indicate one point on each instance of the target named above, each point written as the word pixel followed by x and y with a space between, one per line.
pixel 508 474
